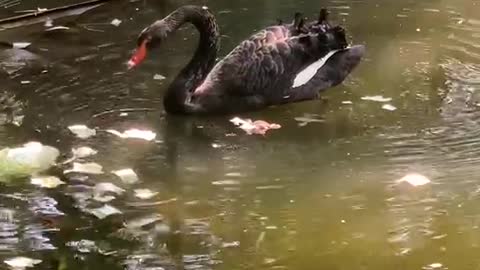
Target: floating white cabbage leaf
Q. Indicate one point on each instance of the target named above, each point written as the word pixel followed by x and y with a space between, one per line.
pixel 29 159
pixel 21 262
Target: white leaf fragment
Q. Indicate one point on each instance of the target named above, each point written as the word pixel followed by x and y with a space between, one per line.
pixel 83 152
pixel 46 181
pixel 231 244
pixel 48 23
pixel 158 77
pixel 103 198
pixel 18 120
pixel 82 131
pixel 145 193
pixel 377 98
pixel 226 183
pixel 128 176
pixel 414 179
pixel 90 168
pixel 20 45
pixel 101 191
pixel 104 211
pixel 140 222
pixel 389 107
pixel 102 188
pixel 55 28
pixel 116 22
pixel 134 133
pixel 216 145
pixel 433 266
pixel 21 262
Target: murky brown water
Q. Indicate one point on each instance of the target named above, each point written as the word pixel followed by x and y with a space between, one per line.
pixel 321 195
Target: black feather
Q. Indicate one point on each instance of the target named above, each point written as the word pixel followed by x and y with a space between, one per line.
pixel 323 17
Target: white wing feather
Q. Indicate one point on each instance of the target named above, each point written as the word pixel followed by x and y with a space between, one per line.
pixel 307 73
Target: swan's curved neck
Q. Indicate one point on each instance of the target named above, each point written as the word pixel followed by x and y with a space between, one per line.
pixel 178 93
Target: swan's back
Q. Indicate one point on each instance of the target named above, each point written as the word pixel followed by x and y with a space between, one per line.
pixel 265 65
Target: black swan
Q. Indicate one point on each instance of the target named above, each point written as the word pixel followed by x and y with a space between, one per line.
pixel 280 64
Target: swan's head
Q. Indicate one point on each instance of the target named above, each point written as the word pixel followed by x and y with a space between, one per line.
pixel 150 37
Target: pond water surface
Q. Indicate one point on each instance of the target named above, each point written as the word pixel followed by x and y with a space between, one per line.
pixel 316 195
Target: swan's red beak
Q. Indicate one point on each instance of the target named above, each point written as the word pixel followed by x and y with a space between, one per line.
pixel 138 56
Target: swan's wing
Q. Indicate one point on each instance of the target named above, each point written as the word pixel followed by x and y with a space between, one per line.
pixel 313 79
pixel 263 65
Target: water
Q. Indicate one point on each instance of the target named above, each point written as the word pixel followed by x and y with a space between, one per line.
pixel 320 195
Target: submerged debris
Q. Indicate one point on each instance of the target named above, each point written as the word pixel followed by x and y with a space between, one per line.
pixel 82 131
pixel 256 127
pixel 307 119
pixel 140 222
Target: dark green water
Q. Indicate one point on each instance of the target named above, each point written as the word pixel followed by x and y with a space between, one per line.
pixel 315 196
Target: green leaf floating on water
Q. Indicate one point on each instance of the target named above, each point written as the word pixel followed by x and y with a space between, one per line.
pixel 29 159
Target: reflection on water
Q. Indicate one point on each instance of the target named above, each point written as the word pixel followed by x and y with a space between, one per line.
pixel 319 192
